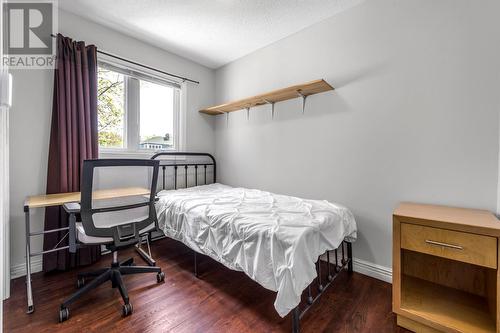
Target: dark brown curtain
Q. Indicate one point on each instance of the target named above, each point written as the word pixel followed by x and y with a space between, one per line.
pixel 73 138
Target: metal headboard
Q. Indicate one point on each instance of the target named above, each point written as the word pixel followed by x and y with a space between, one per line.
pixel 190 162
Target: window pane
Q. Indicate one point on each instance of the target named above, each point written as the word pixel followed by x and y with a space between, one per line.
pixel 110 109
pixel 156 116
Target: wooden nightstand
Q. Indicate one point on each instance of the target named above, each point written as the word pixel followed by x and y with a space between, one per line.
pixel 445 269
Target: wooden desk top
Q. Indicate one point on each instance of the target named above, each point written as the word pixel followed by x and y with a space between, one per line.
pixel 461 219
pixel 59 199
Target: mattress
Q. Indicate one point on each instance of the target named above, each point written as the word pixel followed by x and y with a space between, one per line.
pixel 275 239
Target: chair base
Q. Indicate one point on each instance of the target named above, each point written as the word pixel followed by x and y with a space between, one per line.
pixel 113 274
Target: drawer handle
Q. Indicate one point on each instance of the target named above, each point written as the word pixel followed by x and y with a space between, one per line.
pixel 456 247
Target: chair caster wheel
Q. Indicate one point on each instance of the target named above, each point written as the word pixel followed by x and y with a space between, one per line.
pixel 160 277
pixel 63 314
pixel 127 309
pixel 80 282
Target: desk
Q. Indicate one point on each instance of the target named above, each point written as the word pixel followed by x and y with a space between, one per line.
pixel 59 199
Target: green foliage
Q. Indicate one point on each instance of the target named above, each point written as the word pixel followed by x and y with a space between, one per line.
pixel 110 108
pixel 110 139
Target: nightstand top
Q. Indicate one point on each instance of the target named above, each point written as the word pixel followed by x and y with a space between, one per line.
pixel 454 218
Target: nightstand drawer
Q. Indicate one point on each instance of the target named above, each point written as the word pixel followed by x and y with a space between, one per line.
pixel 471 248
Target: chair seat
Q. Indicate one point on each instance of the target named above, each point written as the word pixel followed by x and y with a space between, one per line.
pixel 86 239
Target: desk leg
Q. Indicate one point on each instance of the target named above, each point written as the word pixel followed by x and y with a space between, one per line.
pixel 29 294
pixel 72 233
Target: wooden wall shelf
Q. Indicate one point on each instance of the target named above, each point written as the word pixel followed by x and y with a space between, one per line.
pixel 299 90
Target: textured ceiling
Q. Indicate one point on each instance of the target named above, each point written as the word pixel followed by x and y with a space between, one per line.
pixel 210 32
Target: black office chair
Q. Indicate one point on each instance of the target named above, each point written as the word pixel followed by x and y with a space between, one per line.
pixel 114 216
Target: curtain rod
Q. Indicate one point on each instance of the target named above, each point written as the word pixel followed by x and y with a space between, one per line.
pixel 142 65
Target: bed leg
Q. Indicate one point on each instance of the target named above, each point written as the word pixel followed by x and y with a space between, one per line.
pixel 195 264
pixel 330 277
pixel 296 320
pixel 336 261
pixel 318 271
pixel 349 256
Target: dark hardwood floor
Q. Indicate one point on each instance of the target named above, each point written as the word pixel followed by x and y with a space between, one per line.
pixel 220 300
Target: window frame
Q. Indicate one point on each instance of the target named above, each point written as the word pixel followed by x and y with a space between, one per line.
pixel 132 76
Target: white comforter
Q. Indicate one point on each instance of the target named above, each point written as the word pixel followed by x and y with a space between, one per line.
pixel 274 239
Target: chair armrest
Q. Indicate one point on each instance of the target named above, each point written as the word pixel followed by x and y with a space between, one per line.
pixel 72 207
pixel 157 198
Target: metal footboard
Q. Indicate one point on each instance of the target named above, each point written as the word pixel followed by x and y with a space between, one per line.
pixel 343 261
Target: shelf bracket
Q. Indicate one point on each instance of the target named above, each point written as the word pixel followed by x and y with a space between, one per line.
pixel 248 112
pixel 272 107
pixel 304 97
pixel 227 119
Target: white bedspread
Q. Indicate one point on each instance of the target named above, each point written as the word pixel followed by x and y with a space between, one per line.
pixel 274 239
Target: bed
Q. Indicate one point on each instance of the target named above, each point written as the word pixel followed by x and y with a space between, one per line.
pixel 276 240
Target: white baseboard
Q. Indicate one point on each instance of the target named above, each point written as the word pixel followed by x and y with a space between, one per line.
pixel 373 270
pixel 360 266
pixel 20 269
pixel 365 267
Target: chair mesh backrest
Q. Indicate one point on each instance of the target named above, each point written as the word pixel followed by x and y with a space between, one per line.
pixel 118 197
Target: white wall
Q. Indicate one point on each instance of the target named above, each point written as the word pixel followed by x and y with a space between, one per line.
pixel 32 109
pixel 414 116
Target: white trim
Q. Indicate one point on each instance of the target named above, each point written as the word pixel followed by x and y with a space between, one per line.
pixel 107 153
pixel 4 204
pixel 182 121
pixel 5 89
pixel 4 179
pixel 365 267
pixel 130 69
pixel 4 192
pixel 373 270
pixel 132 113
pixel 360 266
pixel 498 179
pixel 20 269
pixel 5 103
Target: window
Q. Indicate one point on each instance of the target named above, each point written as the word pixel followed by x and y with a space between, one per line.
pixel 111 109
pixel 136 111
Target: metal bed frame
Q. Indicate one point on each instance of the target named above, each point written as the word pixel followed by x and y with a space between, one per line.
pixel 342 256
